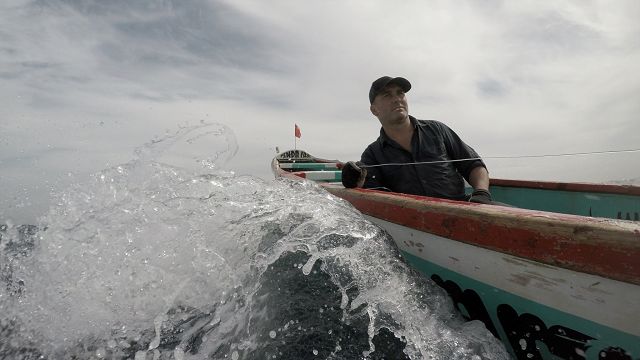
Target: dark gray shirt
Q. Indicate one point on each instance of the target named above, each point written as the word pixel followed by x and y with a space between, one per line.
pixel 431 141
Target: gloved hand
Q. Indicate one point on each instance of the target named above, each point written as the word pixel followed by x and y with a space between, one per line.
pixel 481 196
pixel 353 175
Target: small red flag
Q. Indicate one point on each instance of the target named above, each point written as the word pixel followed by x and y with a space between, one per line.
pixel 297 133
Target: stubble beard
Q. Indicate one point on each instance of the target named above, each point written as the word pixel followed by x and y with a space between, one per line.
pixel 398 118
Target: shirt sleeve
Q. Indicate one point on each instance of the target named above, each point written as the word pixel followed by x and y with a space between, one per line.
pixel 457 149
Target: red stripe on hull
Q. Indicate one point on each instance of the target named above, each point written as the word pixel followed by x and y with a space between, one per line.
pixel 602 247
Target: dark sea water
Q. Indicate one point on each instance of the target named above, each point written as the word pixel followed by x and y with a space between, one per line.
pixel 151 261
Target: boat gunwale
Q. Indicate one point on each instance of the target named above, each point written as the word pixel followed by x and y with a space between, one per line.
pixel 565 186
pixel 574 242
pixel 604 247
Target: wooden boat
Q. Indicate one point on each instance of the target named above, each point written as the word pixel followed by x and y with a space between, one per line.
pixel 557 276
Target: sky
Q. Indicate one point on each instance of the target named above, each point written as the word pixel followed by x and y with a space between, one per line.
pixel 84 83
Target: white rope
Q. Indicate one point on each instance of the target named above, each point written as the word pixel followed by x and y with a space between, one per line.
pixel 507 157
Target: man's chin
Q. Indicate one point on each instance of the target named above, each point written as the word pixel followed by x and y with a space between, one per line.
pixel 401 113
pixel 400 116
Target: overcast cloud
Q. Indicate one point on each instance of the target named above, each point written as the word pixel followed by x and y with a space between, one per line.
pixel 84 83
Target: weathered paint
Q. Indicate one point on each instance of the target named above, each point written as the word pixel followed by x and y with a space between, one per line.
pixel 532 330
pixel 550 285
pixel 309 166
pixel 603 247
pixel 603 301
pixel 321 176
pixel 577 274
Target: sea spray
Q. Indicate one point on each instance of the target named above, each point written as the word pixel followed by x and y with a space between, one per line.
pixel 169 256
pixel 151 260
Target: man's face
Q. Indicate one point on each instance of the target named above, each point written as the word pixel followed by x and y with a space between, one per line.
pixel 390 105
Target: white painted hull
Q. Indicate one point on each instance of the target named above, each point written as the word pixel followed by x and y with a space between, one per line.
pixel 603 304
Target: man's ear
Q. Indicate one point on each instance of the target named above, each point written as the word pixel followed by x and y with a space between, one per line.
pixel 373 109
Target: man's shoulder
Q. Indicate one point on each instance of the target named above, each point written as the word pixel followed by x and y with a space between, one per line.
pixel 430 123
pixel 433 127
pixel 374 146
pixel 374 150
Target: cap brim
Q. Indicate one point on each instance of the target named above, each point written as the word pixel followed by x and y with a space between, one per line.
pixel 404 84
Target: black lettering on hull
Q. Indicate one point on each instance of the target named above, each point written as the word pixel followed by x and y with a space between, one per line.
pixel 527 334
pixel 628 216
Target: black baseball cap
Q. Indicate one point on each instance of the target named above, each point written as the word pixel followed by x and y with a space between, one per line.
pixel 379 84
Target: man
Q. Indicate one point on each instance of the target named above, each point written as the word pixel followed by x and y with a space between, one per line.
pixel 392 161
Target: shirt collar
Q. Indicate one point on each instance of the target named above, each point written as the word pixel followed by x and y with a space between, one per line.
pixel 385 139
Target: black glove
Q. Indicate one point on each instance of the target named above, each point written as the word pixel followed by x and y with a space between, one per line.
pixel 481 196
pixel 353 175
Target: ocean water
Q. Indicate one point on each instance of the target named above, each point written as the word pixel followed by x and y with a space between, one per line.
pixel 147 260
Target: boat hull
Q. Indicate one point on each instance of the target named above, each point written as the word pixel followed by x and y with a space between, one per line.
pixel 525 303
pixel 549 285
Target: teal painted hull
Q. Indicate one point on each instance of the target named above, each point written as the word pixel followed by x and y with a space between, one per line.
pixel 612 206
pixel 543 338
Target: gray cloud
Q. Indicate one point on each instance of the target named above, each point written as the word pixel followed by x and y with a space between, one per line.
pixel 101 78
pixel 555 34
pixel 491 88
pixel 198 48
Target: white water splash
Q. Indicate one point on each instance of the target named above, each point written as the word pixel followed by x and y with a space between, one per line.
pixel 143 239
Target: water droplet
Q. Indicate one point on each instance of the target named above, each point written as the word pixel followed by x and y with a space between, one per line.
pixel 523 344
pixel 306 269
pixel 315 352
pixel 272 334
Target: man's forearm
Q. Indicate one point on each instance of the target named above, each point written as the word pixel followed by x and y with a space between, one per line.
pixel 479 178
